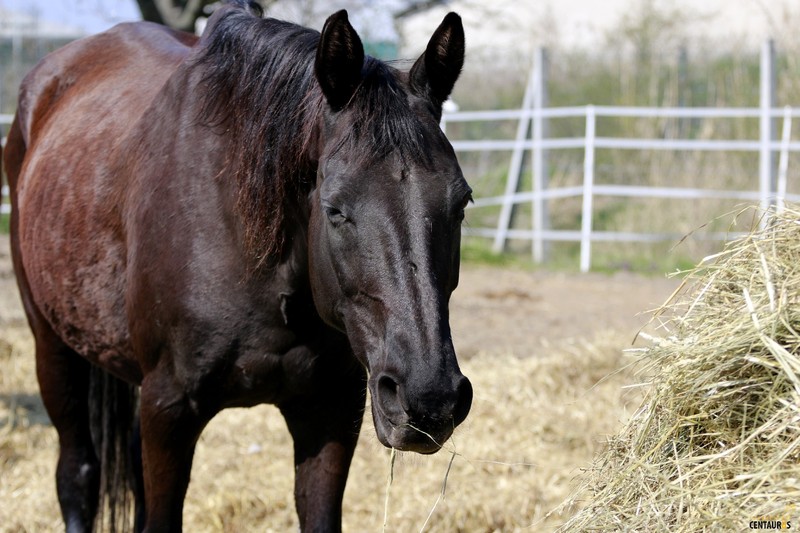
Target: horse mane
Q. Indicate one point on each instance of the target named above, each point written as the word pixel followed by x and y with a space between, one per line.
pixel 381 117
pixel 259 89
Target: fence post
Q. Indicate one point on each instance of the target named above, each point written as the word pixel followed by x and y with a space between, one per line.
pixel 540 221
pixel 783 161
pixel 766 167
pixel 514 169
pixel 448 106
pixel 588 191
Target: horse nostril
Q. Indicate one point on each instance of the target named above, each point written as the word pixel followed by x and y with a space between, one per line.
pixel 387 387
pixel 463 401
pixel 389 394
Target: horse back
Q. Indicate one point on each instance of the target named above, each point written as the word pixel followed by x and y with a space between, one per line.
pixel 76 108
pixel 136 57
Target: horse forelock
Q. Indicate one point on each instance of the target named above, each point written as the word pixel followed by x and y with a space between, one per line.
pixel 381 117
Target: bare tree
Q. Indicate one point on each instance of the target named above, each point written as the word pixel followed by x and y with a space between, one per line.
pixel 179 14
pixel 417 6
pixel 182 14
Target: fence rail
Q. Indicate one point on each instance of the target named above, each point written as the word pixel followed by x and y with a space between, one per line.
pixel 5 122
pixel 589 190
pixel 532 137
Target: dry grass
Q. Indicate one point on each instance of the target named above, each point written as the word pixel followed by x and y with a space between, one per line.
pixel 716 443
pixel 536 421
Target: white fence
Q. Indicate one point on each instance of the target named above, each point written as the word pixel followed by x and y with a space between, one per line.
pixel 534 116
pixel 770 191
pixel 5 122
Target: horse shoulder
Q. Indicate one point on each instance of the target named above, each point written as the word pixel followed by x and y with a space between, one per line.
pixel 76 109
pixel 140 53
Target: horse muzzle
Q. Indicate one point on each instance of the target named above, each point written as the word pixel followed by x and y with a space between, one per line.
pixel 418 419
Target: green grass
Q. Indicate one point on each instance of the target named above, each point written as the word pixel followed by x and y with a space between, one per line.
pixel 642 263
pixel 647 259
pixel 478 251
pixel 4 221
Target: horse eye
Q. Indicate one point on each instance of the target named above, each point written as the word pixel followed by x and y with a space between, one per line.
pixel 464 203
pixel 335 216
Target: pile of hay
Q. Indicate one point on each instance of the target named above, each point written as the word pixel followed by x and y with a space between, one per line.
pixel 716 443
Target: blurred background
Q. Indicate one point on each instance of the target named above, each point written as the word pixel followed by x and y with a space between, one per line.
pixel 652 58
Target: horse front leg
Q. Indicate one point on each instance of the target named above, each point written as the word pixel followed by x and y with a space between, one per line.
pixel 325 427
pixel 170 427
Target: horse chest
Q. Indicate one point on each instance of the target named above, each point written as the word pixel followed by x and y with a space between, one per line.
pixel 260 376
pixel 267 356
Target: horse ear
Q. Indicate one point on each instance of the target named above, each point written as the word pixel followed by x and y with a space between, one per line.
pixel 340 58
pixel 435 73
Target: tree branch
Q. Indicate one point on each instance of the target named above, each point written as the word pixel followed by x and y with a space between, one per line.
pixel 417 7
pixel 183 16
pixel 179 14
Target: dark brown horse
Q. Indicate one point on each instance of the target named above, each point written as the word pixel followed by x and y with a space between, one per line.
pixel 264 214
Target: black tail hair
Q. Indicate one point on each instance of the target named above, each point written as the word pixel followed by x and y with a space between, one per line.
pixel 113 407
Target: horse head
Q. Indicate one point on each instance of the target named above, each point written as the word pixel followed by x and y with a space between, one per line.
pixel 385 228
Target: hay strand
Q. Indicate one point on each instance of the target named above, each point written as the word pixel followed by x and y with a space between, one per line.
pixel 389 482
pixel 441 495
pixel 716 443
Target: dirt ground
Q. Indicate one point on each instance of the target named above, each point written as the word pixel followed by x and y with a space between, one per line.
pixel 517 311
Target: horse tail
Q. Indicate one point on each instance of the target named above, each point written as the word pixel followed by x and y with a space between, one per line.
pixel 113 411
pixel 11 160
